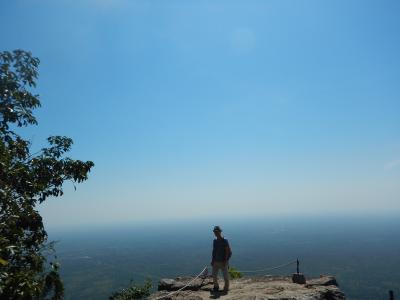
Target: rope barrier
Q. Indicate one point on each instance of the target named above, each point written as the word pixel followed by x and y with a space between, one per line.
pixel 269 269
pixel 204 273
pixel 185 286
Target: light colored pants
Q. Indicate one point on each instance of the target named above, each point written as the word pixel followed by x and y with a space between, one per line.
pixel 220 265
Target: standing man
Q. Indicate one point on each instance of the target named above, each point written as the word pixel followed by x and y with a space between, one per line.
pixel 220 258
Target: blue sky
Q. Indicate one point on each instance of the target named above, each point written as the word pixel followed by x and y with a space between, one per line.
pixel 195 109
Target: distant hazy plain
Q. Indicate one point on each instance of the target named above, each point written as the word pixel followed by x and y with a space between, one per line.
pixel 362 252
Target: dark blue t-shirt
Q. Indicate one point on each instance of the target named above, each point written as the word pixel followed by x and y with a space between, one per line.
pixel 219 246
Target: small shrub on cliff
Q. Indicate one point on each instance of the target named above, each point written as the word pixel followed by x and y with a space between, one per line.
pixel 234 273
pixel 134 291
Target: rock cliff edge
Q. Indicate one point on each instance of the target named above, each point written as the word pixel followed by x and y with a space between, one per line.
pixel 251 288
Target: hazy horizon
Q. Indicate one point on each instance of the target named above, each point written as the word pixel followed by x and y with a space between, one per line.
pixel 97 261
pixel 207 222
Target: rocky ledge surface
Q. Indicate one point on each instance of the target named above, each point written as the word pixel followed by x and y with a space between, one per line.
pixel 251 288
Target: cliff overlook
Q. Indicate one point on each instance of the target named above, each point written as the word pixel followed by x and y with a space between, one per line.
pixel 250 288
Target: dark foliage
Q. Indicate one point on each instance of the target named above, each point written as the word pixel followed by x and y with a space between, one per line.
pixel 27 179
pixel 134 291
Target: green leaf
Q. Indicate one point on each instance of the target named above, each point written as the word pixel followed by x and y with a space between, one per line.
pixel 3 261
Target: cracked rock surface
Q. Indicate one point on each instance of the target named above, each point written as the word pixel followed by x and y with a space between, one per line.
pixel 251 288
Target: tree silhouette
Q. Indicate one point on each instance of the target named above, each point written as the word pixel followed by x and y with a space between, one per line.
pixel 26 180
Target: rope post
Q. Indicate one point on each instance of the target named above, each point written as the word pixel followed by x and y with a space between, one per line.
pixel 298 277
pixel 391 295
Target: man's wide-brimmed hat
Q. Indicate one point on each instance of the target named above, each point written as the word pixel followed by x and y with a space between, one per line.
pixel 217 228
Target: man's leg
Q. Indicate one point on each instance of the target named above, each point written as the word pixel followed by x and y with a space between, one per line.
pixel 215 275
pixel 226 276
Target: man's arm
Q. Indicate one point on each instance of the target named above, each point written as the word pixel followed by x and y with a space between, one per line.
pixel 228 251
pixel 213 253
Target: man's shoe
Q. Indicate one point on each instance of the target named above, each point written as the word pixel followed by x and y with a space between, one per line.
pixel 215 289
